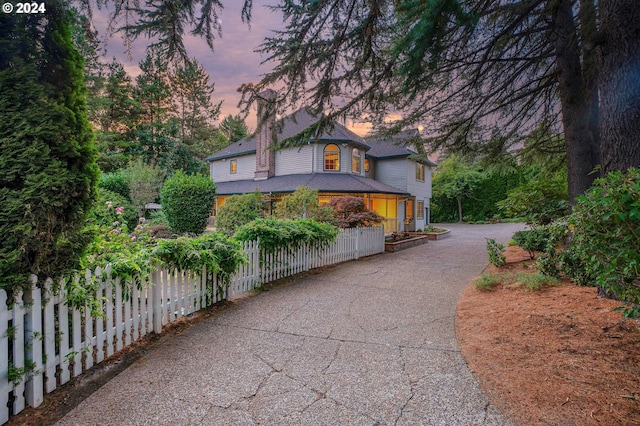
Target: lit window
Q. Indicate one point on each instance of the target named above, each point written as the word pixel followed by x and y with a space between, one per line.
pixel 420 172
pixel 367 166
pixel 408 214
pixel 332 157
pixel 355 161
pixel 420 212
pixel 233 166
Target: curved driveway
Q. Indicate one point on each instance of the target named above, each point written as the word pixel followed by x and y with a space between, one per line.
pixel 362 343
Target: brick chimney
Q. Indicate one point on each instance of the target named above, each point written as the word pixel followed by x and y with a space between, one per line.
pixel 266 134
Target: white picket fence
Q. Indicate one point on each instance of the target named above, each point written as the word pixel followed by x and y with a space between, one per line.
pixel 44 342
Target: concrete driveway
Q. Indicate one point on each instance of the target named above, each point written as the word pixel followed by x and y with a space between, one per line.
pixel 362 343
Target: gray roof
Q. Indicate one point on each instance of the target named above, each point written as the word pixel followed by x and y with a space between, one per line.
pixel 394 146
pixel 289 127
pixel 324 182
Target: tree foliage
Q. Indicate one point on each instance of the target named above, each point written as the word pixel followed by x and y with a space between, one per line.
pixel 48 172
pixel 234 127
pixel 463 69
pixel 455 181
pixel 275 234
pixel 187 201
pixel 144 182
pixel 303 204
pixel 238 210
pixel 350 212
pixel 606 234
pixel 115 182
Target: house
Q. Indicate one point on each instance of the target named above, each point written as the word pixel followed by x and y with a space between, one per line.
pixel 393 180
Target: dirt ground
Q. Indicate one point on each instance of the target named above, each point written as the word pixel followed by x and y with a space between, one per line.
pixel 559 356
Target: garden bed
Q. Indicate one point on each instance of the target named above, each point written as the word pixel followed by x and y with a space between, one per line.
pixel 434 233
pixel 404 241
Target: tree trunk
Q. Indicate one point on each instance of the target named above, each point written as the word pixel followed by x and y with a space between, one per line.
pixel 459 209
pixel 574 99
pixel 619 83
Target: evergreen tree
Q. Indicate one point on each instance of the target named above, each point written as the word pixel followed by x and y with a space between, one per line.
pixel 234 127
pixel 192 94
pixel 195 110
pixel 156 134
pixel 47 160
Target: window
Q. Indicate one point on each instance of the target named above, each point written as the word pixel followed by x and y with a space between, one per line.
pixel 355 161
pixel 233 166
pixel 408 214
pixel 332 157
pixel 420 172
pixel 367 166
pixel 420 212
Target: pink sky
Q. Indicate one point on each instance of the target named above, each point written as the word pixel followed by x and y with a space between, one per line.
pixel 233 61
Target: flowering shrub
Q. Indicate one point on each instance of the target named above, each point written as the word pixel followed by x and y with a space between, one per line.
pixel 112 207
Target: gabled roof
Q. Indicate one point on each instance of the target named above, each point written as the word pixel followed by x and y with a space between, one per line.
pixel 289 127
pixel 327 182
pixel 395 146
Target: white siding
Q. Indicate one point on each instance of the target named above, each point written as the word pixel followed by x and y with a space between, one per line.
pixel 295 161
pixel 221 171
pixel 421 190
pixel 393 172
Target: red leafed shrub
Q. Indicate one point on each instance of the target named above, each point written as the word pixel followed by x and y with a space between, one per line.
pixel 351 212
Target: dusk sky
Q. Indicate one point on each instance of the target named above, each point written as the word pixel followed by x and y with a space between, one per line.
pixel 233 61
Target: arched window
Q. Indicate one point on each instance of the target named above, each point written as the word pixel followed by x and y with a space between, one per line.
pixel 355 161
pixel 331 157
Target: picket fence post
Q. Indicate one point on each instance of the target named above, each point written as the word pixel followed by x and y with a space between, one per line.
pixel 5 315
pixel 33 338
pixel 156 301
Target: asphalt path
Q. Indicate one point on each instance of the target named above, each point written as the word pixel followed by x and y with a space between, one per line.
pixel 367 342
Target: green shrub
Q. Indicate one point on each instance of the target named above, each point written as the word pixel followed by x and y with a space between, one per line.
pixel 115 182
pixel 532 240
pixel 303 204
pixel 239 210
pixel 220 255
pixel 275 234
pixel 495 251
pixel 574 265
pixel 540 201
pixel 187 201
pixel 112 207
pixel 157 217
pixel 488 282
pixel 534 282
pixel 606 234
pixel 524 280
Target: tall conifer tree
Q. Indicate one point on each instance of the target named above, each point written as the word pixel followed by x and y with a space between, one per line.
pixel 47 157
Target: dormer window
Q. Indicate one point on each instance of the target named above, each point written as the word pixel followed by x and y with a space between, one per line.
pixel 331 157
pixel 355 161
pixel 367 165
